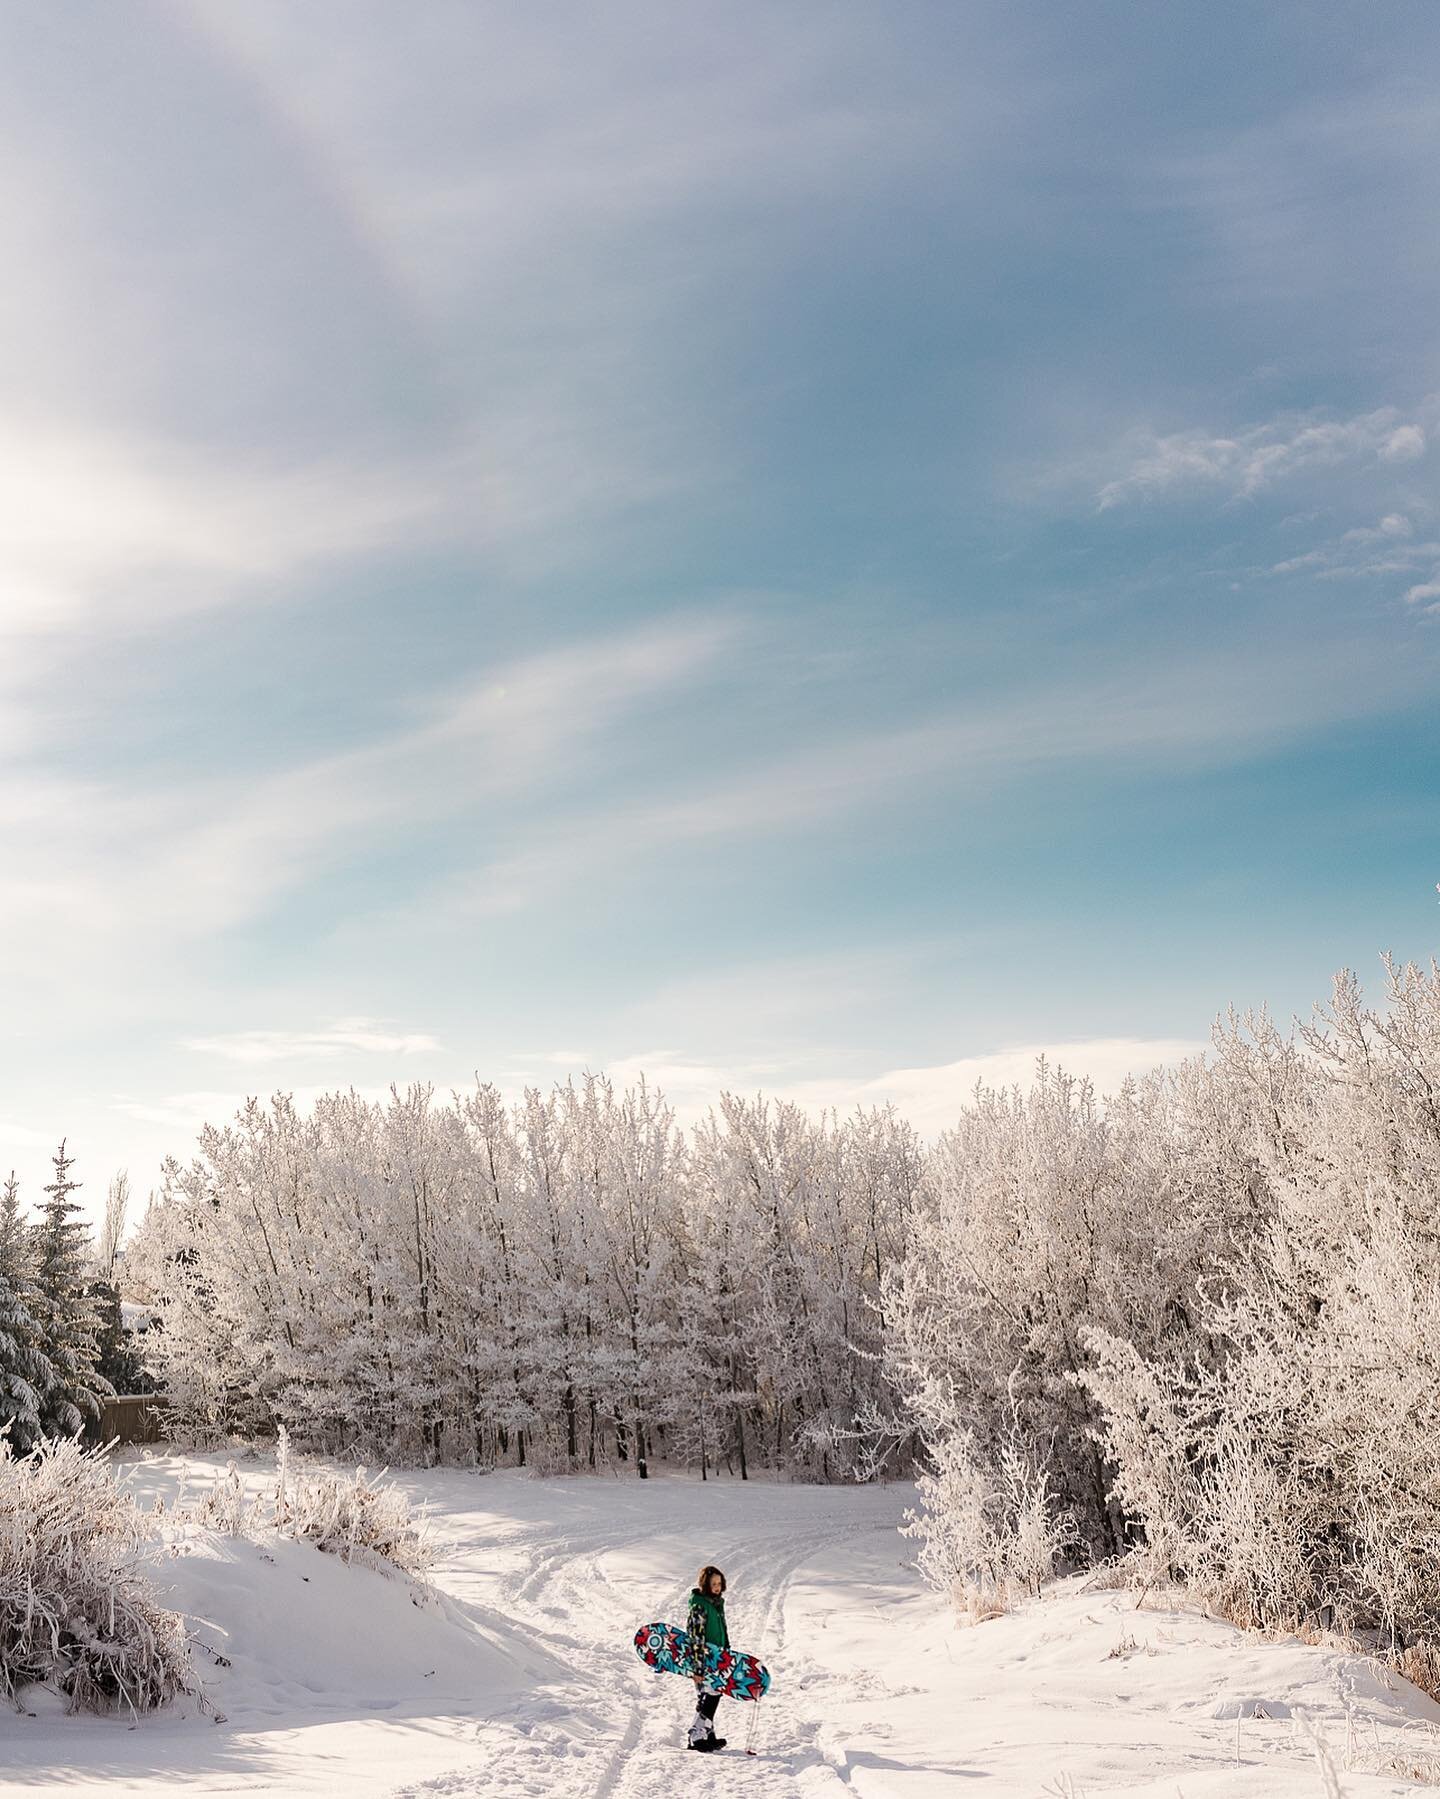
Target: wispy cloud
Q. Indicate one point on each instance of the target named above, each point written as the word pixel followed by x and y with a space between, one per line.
pixel 96 863
pixel 346 1036
pixel 181 1115
pixel 1363 550
pixel 120 530
pixel 1388 552
pixel 1260 456
pixel 1197 710
pixel 19 1136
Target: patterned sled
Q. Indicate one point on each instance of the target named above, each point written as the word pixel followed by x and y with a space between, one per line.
pixel 666 1649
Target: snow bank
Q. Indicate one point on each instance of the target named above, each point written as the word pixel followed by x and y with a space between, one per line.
pixel 1081 1693
pixel 297 1624
pixel 316 1675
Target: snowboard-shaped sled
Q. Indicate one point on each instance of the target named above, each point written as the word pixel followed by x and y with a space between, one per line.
pixel 666 1649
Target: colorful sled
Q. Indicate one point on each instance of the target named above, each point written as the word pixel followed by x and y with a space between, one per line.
pixel 666 1649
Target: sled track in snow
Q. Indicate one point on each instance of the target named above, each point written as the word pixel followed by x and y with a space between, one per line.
pixel 616 1730
pixel 615 1773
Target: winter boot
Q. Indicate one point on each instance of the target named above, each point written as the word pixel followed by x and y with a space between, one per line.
pixel 702 1733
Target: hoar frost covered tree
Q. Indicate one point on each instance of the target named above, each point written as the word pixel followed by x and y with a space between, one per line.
pixel 1047 1216
pixel 1295 1473
pixel 554 1284
pixel 1196 1326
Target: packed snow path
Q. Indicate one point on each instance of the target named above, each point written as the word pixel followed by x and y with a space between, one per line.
pixel 582 1578
pixel 521 1681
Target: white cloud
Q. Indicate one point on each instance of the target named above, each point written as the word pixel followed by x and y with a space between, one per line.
pixel 434 225
pixel 1393 525
pixel 1365 552
pixel 181 1114
pixel 930 1097
pixel 690 1087
pixel 362 1035
pixel 120 530
pixel 1406 444
pixel 1258 457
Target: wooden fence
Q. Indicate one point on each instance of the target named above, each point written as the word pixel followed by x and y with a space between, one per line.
pixel 129 1418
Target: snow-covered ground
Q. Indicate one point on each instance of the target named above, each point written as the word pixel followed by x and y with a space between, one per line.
pixel 521 1680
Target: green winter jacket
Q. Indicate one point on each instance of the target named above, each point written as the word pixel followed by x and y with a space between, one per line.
pixel 705 1625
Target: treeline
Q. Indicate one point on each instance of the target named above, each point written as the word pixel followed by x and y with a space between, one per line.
pixel 564 1283
pixel 62 1345
pixel 1192 1328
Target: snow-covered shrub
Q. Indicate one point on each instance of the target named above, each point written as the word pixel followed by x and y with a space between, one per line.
pixel 339 1513
pixel 990 1528
pixel 958 1528
pixel 1151 1452
pixel 346 1513
pixel 77 1612
pixel 1213 1301
pixel 229 1508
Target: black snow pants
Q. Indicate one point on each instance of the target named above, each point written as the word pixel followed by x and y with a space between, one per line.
pixel 706 1705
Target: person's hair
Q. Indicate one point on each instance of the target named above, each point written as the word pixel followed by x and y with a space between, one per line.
pixel 704 1581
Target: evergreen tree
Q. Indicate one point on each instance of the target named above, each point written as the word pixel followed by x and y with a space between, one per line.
pixel 120 1361
pixel 27 1375
pixel 67 1313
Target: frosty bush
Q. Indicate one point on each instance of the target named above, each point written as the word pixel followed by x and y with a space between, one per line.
pixel 229 1508
pixel 1043 1216
pixel 990 1528
pixel 339 1513
pixel 76 1610
pixel 346 1513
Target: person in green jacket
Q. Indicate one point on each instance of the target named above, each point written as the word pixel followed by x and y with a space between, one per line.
pixel 705 1627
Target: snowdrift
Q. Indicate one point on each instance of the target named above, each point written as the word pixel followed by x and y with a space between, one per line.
pixel 308 1665
pixel 296 1623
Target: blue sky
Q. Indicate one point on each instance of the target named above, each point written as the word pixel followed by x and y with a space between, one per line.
pixel 818 547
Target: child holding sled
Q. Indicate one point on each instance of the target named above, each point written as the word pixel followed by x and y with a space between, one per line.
pixel 705 1626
